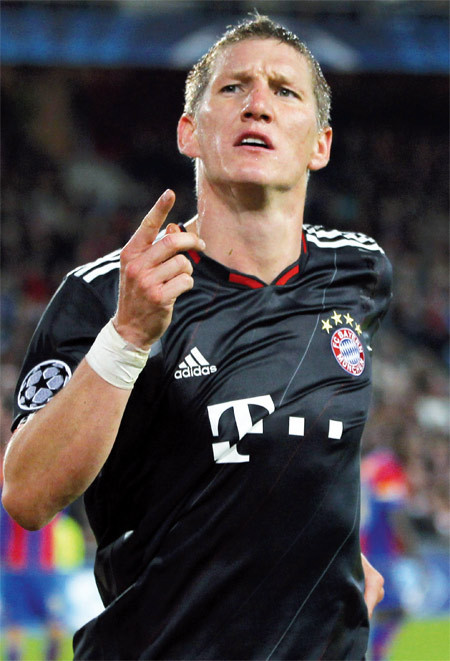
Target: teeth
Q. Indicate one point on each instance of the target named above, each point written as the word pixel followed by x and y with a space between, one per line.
pixel 253 141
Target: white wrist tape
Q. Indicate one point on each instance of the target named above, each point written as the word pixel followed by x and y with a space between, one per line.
pixel 116 360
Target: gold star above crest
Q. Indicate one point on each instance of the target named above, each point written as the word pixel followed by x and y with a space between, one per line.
pixel 326 325
pixel 336 318
pixel 358 329
pixel 349 319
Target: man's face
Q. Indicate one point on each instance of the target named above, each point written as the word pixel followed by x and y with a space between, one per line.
pixel 256 122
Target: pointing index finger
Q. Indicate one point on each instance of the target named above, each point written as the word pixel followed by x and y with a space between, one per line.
pixel 151 223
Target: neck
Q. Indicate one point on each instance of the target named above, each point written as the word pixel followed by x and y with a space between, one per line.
pixel 250 230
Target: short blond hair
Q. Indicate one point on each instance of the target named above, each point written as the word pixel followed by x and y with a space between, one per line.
pixel 259 27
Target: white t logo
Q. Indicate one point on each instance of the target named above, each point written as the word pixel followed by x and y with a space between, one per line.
pixel 224 452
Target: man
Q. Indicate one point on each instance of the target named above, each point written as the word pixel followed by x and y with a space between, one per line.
pixel 215 420
pixel 386 535
pixel 30 589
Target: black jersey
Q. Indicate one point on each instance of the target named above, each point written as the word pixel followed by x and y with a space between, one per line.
pixel 227 514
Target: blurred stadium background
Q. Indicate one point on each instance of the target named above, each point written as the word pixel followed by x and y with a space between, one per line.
pixel 91 93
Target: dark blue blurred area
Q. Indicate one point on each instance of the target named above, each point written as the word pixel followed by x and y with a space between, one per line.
pixel 92 34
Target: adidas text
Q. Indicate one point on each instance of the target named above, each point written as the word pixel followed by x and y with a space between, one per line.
pixel 194 364
pixel 187 372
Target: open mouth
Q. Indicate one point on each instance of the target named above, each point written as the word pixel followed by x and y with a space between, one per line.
pixel 252 140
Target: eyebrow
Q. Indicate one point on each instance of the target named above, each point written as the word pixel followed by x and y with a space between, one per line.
pixel 245 75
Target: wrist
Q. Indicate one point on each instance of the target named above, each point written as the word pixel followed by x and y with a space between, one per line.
pixel 114 359
pixel 133 337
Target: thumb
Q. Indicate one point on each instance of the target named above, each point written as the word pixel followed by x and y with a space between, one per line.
pixel 172 228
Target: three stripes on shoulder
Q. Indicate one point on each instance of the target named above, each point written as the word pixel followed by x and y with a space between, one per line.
pixel 338 239
pixel 101 266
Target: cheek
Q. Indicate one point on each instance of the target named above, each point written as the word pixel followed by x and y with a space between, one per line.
pixel 207 130
pixel 306 134
pixel 214 123
pixel 213 137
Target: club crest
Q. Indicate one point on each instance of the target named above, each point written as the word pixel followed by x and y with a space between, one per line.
pixel 348 351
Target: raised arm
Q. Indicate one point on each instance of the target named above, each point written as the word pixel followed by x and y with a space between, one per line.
pixel 57 453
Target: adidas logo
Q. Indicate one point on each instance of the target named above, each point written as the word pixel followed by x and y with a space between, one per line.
pixel 194 365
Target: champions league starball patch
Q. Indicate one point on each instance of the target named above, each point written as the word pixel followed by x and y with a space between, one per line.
pixel 42 383
pixel 348 351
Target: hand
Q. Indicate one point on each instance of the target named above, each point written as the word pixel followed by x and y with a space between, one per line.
pixel 374 591
pixel 152 276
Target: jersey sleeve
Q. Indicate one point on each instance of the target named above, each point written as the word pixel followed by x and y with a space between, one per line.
pixel 65 332
pixel 361 262
pixel 378 297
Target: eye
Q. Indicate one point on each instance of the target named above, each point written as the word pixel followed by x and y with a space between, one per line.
pixel 232 87
pixel 285 91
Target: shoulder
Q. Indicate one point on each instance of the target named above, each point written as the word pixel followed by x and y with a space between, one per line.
pixel 321 237
pixel 353 258
pixel 96 281
pixel 82 304
pixel 357 253
pixel 90 272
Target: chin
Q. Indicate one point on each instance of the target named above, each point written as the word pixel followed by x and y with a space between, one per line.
pixel 254 176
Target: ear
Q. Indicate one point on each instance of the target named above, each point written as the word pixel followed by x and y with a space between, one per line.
pixel 321 152
pixel 187 136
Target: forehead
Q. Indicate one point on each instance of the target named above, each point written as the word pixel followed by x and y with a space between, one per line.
pixel 265 56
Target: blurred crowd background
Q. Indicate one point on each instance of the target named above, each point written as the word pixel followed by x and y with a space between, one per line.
pixel 87 150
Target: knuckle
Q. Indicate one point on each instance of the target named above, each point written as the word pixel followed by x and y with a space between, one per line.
pixel 124 256
pixel 169 241
pixel 132 270
pixel 187 280
pixel 182 262
pixel 156 297
pixel 154 294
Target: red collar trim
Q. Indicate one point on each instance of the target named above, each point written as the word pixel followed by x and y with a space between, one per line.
pixel 193 254
pixel 248 281
pixel 304 244
pixel 245 280
pixel 287 276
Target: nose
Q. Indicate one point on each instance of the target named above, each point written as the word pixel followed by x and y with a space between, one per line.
pixel 258 104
